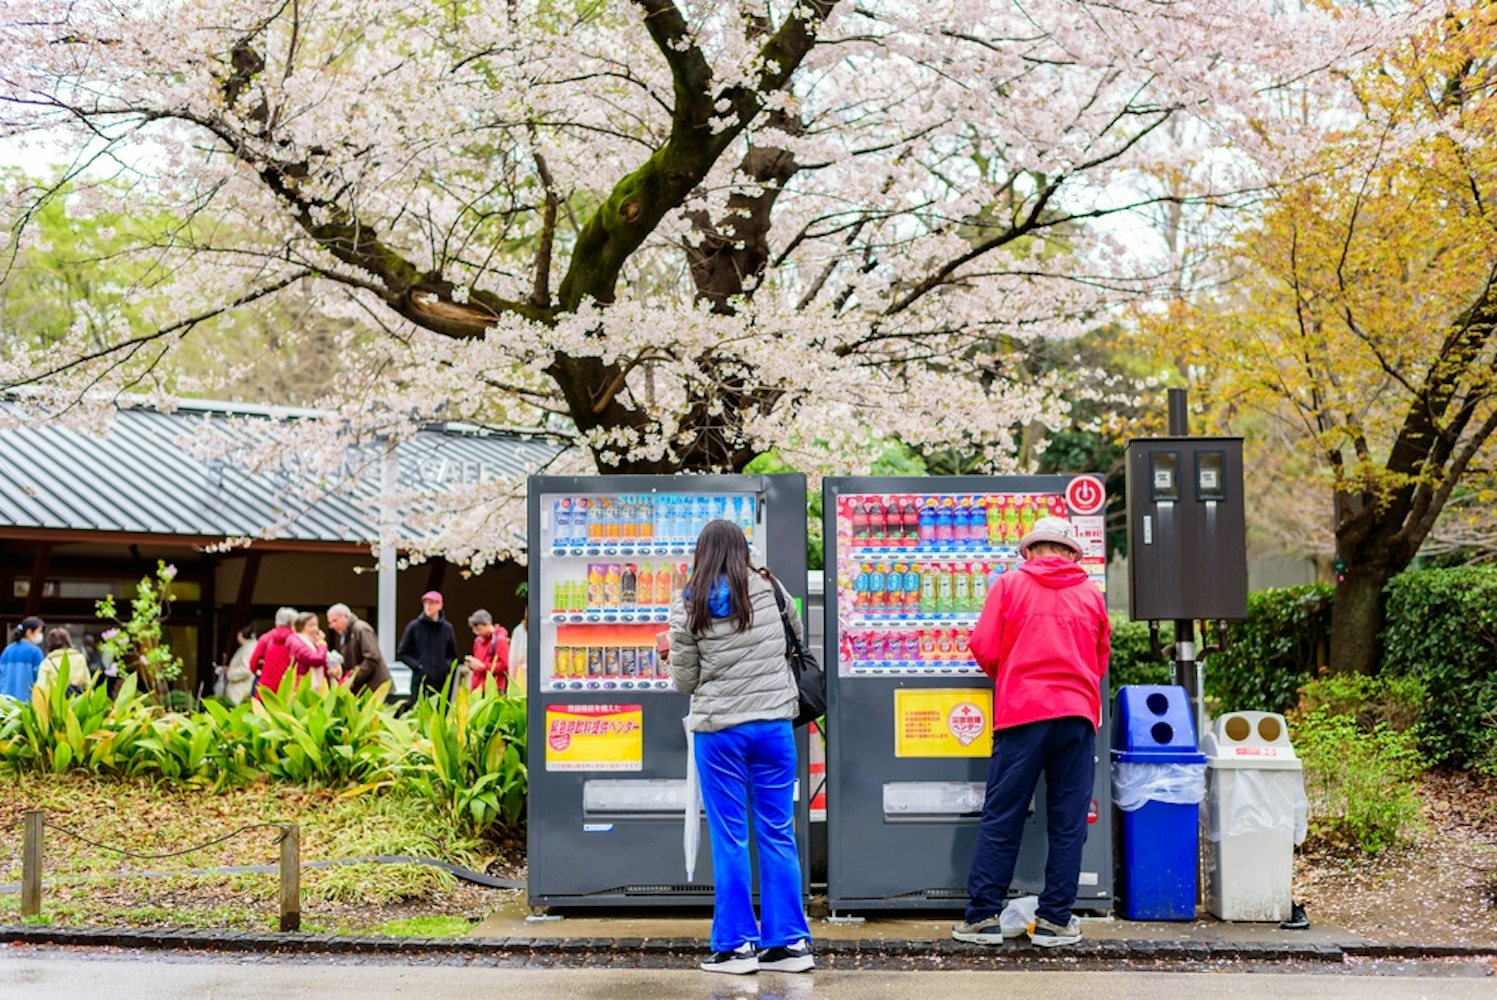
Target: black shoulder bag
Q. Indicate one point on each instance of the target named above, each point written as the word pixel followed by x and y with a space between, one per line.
pixel 809 678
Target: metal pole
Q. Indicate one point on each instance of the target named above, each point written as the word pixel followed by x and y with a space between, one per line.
pixel 291 877
pixel 387 530
pixel 1185 629
pixel 31 863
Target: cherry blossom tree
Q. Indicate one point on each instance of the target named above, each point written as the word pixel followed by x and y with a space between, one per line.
pixel 680 233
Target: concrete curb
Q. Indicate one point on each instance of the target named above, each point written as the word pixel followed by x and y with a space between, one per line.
pixel 559 950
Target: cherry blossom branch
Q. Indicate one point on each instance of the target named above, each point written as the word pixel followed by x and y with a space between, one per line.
pixel 135 343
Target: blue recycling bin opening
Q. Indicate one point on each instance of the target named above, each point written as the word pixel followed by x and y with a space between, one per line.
pixel 1159 779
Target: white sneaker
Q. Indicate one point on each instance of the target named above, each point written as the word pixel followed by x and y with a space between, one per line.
pixel 740 961
pixel 788 958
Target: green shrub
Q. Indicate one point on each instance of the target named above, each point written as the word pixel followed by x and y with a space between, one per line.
pixel 93 732
pixel 1441 628
pixel 1359 783
pixel 331 737
pixel 467 754
pixel 1273 652
pixel 1133 660
pixel 469 757
pixel 1395 702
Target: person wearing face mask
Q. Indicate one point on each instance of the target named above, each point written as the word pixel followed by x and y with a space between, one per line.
pixel 22 659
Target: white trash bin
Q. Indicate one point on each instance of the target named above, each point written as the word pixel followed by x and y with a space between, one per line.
pixel 1254 815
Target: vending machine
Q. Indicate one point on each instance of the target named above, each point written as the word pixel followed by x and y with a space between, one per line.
pixel 910 715
pixel 608 795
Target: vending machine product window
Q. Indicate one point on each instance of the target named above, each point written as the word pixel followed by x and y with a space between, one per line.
pixel 611 564
pixel 913 571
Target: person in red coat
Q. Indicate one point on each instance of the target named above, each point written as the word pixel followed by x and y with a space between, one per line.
pixel 490 652
pixel 271 656
pixel 1044 638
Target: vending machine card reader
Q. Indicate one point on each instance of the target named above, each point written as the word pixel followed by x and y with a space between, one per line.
pixel 1187 529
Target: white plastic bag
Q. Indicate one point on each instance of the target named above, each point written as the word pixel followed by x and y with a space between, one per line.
pixel 1019 914
pixel 1135 785
pixel 1257 801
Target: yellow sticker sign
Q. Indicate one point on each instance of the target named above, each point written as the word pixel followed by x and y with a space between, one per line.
pixel 943 722
pixel 594 738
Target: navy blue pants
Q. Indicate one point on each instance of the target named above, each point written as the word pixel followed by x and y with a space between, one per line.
pixel 1064 751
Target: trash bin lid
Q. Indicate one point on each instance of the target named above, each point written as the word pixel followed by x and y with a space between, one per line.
pixel 1153 717
pixel 1257 740
pixel 1158 757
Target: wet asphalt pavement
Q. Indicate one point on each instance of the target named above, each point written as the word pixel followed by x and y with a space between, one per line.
pixel 42 973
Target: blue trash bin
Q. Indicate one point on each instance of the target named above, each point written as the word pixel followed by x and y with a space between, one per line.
pixel 1159 779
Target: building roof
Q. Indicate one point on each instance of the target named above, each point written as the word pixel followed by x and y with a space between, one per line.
pixel 141 477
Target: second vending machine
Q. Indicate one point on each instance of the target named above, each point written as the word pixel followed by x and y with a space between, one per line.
pixel 608 555
pixel 909 723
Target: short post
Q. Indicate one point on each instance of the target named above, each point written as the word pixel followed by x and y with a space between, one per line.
pixel 290 877
pixel 31 863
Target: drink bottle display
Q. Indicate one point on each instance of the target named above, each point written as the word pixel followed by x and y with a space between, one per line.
pixel 914 571
pixel 629 587
pixel 611 566
pixel 644 524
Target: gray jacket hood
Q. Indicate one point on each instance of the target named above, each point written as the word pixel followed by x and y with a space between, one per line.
pixel 736 677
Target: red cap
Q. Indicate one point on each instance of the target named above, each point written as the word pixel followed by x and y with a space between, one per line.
pixel 432 595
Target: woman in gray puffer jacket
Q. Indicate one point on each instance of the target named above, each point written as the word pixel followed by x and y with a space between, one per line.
pixel 727 650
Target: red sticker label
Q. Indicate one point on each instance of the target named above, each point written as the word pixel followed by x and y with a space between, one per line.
pixel 1085 495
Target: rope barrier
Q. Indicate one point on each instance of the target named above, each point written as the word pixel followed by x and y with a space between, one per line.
pixel 170 854
pixel 458 871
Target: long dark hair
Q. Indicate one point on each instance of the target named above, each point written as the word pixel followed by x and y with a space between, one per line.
pixel 29 623
pixel 722 554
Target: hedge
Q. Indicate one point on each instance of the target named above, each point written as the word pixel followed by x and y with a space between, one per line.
pixel 1282 643
pixel 1268 657
pixel 1441 627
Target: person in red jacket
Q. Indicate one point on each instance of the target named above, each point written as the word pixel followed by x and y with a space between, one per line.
pixel 271 656
pixel 490 652
pixel 1044 638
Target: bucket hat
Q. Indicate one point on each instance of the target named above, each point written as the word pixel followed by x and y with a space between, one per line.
pixel 1056 530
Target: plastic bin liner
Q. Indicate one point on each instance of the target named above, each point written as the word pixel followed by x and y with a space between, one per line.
pixel 1268 801
pixel 1135 785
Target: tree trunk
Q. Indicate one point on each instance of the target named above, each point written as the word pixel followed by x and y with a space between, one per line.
pixel 1357 622
pixel 1325 567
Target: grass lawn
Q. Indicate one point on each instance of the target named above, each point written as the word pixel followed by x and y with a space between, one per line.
pixel 83 887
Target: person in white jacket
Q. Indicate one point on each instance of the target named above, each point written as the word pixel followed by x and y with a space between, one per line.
pixel 519 642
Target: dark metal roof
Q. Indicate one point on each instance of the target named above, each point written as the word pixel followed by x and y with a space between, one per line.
pixel 142 477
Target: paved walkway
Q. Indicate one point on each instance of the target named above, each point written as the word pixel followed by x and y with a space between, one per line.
pixel 67 977
pixel 516 921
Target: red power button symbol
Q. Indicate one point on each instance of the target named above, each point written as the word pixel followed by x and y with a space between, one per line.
pixel 1085 495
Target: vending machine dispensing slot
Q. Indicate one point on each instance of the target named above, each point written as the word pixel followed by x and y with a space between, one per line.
pixel 917 801
pixel 622 798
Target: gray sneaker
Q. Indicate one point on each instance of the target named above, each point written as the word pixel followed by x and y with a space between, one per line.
pixel 988 931
pixel 1048 935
